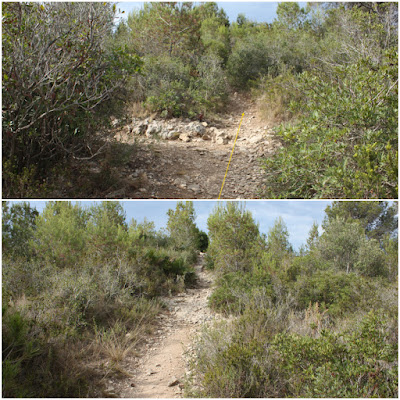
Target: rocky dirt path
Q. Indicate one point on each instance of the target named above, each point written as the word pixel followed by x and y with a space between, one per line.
pixel 194 167
pixel 159 369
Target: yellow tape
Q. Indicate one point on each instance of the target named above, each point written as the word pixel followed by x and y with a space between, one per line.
pixel 230 158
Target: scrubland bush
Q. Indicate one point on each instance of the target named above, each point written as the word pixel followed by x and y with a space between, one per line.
pixel 233 238
pixel 354 364
pixel 35 367
pixel 173 88
pixel 340 139
pixel 342 151
pixel 249 61
pixel 235 288
pixel 302 325
pixel 58 88
pixel 89 286
pixel 258 357
pixel 336 291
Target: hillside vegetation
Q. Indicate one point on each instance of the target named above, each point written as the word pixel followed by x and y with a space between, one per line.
pixel 325 75
pixel 321 322
pixel 81 291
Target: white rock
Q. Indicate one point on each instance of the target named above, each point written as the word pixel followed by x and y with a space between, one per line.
pixel 185 137
pixel 153 129
pixel 169 135
pixel 256 139
pixel 197 128
pixel 196 189
pixel 221 140
pixel 139 129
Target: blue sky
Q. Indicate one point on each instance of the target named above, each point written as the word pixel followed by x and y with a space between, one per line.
pixel 262 11
pixel 298 215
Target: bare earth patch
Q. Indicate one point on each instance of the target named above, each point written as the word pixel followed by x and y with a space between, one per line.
pixel 195 169
pixel 158 370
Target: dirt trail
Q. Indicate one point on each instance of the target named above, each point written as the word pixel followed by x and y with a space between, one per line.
pixel 195 169
pixel 159 371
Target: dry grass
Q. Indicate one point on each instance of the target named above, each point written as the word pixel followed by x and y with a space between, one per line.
pixel 123 337
pixel 138 110
pixel 274 111
pixel 20 302
pixel 116 343
pixel 310 322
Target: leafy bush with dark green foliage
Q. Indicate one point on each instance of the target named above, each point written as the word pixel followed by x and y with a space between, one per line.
pixel 202 244
pixel 355 364
pixel 344 143
pixel 336 291
pixel 172 88
pixel 18 226
pixel 249 61
pixel 234 288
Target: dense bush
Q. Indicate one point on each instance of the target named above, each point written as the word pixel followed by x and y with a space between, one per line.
pixel 233 238
pixel 59 68
pixel 183 56
pixel 356 364
pixel 341 140
pixel 249 61
pixel 338 292
pixel 302 325
pixel 175 89
pixel 344 143
pixel 235 288
pixel 86 285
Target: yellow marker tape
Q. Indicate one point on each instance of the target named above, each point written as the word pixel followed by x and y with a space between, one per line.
pixel 230 158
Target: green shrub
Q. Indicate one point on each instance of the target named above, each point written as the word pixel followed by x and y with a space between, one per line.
pixel 234 290
pixel 359 364
pixel 237 372
pixel 234 238
pixel 34 368
pixel 334 290
pixel 175 89
pixel 57 93
pixel 229 367
pixel 20 277
pixel 233 361
pixel 344 143
pixel 202 244
pixel 250 59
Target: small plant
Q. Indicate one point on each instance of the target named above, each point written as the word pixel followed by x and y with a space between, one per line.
pixel 116 343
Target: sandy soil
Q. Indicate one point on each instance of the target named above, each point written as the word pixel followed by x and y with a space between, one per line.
pixel 159 370
pixel 195 170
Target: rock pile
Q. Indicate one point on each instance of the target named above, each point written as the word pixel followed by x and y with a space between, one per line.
pixel 180 158
pixel 178 129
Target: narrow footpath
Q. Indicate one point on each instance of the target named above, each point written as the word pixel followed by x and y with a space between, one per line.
pixel 194 168
pixel 159 370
